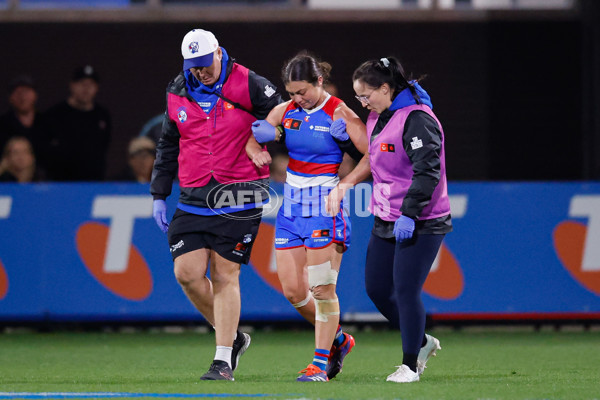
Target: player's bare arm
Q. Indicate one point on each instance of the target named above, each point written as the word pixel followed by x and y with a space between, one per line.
pixel 276 114
pixel 354 126
pixel 254 150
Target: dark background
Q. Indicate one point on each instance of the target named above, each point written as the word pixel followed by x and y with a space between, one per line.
pixel 510 93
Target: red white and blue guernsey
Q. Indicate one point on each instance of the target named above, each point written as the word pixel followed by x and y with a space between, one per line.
pixel 311 174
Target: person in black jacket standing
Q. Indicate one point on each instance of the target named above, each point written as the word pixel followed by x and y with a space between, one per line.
pixel 22 118
pixel 79 131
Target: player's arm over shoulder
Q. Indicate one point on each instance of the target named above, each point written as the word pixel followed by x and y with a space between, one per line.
pixel 276 114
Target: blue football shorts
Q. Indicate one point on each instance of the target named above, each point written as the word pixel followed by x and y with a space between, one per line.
pixel 313 232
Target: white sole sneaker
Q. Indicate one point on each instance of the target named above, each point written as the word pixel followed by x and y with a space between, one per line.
pixel 403 375
pixel 426 352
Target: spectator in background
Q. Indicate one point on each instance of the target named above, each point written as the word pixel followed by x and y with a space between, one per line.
pixel 79 131
pixel 140 160
pixel 153 127
pixel 22 118
pixel 18 162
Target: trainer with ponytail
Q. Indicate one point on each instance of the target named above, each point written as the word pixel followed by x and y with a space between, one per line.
pixel 406 158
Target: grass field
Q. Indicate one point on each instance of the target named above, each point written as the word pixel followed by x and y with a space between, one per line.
pixel 473 364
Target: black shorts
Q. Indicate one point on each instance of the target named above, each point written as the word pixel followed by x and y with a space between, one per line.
pixel 231 238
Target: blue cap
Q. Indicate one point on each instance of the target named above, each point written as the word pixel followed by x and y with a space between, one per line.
pixel 198 62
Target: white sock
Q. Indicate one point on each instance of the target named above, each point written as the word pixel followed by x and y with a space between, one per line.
pixel 224 354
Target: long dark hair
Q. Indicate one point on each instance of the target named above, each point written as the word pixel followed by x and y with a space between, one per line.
pixel 305 67
pixel 386 70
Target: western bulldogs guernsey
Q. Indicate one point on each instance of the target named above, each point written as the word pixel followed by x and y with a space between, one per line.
pixel 314 156
pixel 311 174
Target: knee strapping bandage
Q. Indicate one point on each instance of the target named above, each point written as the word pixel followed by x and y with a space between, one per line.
pixel 325 308
pixel 303 302
pixel 321 275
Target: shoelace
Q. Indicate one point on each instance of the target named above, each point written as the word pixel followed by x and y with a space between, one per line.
pixel 215 367
pixel 311 370
pixel 399 371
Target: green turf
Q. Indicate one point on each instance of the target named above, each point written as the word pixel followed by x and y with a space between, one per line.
pixel 473 364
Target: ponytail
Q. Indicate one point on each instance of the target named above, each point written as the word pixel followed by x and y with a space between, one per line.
pixel 385 70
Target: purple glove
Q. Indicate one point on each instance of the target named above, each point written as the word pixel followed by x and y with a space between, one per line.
pixel 403 228
pixel 338 130
pixel 159 212
pixel 263 131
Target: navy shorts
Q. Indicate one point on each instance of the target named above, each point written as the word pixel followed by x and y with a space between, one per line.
pixel 231 235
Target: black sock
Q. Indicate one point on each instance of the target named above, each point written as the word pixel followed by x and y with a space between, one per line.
pixel 410 360
pixel 424 342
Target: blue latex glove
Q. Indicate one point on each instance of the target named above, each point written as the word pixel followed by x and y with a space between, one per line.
pixel 263 131
pixel 404 228
pixel 338 130
pixel 159 212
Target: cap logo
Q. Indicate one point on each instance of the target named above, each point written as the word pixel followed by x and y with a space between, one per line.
pixel 194 48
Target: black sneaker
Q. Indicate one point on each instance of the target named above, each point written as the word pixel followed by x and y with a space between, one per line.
pixel 218 371
pixel 240 345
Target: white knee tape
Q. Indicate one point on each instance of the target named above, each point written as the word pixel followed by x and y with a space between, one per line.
pixel 325 308
pixel 303 302
pixel 321 275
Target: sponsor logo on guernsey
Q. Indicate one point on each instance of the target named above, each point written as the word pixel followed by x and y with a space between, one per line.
pixel 176 246
pixel 269 91
pixel 229 106
pixel 306 118
pixel 293 124
pixel 319 128
pixel 416 143
pixel 388 147
pixel 181 115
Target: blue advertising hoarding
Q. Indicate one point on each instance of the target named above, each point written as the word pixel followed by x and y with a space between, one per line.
pixel 93 252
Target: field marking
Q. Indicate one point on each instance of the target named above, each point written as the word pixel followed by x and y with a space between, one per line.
pixel 104 395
